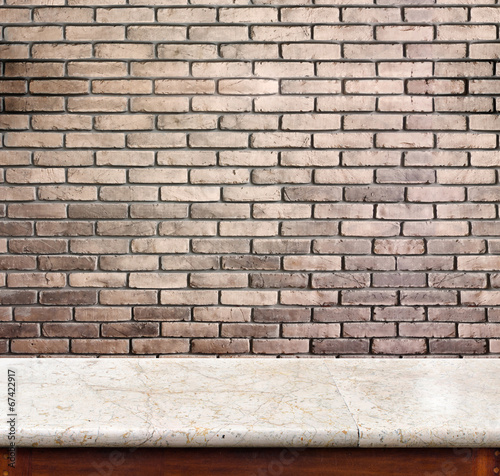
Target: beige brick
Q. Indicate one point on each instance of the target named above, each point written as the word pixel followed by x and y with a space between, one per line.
pixel 159 245
pixel 342 32
pixel 405 33
pixel 97 280
pixel 408 69
pixel 285 210
pixel 221 246
pixel 222 314
pixel 249 121
pixel 221 69
pixel 160 346
pixel 100 346
pixel 61 51
pixel 369 228
pixel 40 346
pixel 155 140
pixel 248 50
pixel 102 140
pixel 436 86
pixel 251 194
pixel 189 329
pixel 373 51
pixel 196 298
pixel 218 33
pixel 373 122
pixel 124 50
pixel 248 15
pixel 97 104
pixel 218 280
pixel 159 104
pixel 280 346
pixel 46 140
pixel 315 51
pixel 436 50
pixel 33 33
pixel 343 140
pixel 436 228
pixel 465 104
pixel 125 15
pixel 113 122
pixel 409 140
pixel 362 297
pixel 218 140
pixel 61 122
pixel 284 69
pixel 466 141
pixel 95 33
pixel 399 346
pixel 346 103
pixel 220 346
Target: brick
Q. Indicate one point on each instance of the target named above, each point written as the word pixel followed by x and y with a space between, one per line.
pixel 220 346
pixel 173 51
pixel 194 228
pixel 280 346
pixel 151 313
pixel 189 297
pixel 189 329
pixel 95 33
pixel 375 194
pixel 340 346
pixel 457 346
pixel 68 297
pixel 160 346
pixel 36 280
pixel 40 346
pixel 17 297
pixel 124 228
pixel 249 330
pixel 341 32
pixel 305 228
pixel 246 262
pixel 222 246
pixel 436 50
pixel 410 140
pixel 248 50
pixel 251 228
pixel 127 297
pixel 36 246
pixel 399 280
pixel 399 313
pixel 100 346
pixel 61 51
pixel 223 314
pixel 42 314
pixel 97 104
pixel 77 330
pixel 346 103
pixel 399 346
pixel 373 51
pixel 124 15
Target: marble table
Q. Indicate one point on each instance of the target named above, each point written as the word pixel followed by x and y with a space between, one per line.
pixel 193 402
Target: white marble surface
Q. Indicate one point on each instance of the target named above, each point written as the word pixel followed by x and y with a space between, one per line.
pixel 422 402
pixel 254 402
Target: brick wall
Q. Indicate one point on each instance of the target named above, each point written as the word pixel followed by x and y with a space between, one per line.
pixel 267 179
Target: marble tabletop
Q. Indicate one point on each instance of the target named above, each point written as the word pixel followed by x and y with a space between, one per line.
pixel 253 402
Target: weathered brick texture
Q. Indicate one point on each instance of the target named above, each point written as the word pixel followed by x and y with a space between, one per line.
pixel 224 178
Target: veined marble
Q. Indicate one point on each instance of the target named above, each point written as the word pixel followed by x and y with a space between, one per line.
pixel 254 402
pixel 422 402
pixel 177 402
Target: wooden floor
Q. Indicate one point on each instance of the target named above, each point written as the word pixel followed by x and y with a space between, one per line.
pixel 251 462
